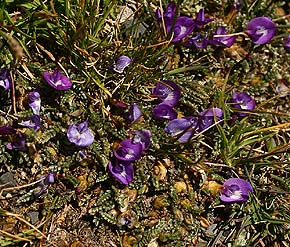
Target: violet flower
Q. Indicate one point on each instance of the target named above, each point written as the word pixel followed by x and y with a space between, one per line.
pixel 32 122
pixel 201 20
pixel 177 126
pixel 243 101
pixel 168 16
pixel 80 134
pixel 208 117
pixel 19 143
pixel 167 92
pixel 7 130
pixel 5 80
pixel 224 40
pixel 128 150
pixel 183 26
pixel 143 137
pixel 183 128
pixel 122 171
pixel 164 111
pixel 45 182
pixel 197 41
pixel 57 80
pixel 261 30
pixel 286 43
pixel 134 113
pixel 34 102
pixel 121 63
pixel 236 190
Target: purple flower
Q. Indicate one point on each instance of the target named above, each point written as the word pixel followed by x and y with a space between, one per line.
pixel 128 150
pixel 167 92
pixel 286 43
pixel 243 101
pixel 207 118
pixel 18 143
pixel 197 41
pixel 143 137
pixel 34 102
pixel 134 113
pixel 122 171
pixel 57 80
pixel 183 128
pixel 261 30
pixel 44 183
pixel 236 190
pixel 221 39
pixel 183 26
pixel 201 20
pixel 164 111
pixel 32 122
pixel 80 134
pixel 7 130
pixel 50 178
pixel 5 80
pixel 178 126
pixel 121 63
pixel 168 16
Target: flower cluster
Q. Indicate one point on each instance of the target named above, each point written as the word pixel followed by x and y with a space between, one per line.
pixel 168 93
pixel 129 150
pixel 260 29
pixel 79 134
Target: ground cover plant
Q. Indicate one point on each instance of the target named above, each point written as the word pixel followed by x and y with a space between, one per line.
pixel 144 123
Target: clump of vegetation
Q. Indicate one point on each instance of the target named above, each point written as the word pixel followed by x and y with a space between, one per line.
pixel 144 123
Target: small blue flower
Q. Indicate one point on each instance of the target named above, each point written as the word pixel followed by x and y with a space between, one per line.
pixel 122 171
pixel 80 134
pixel 5 80
pixel 183 128
pixel 18 143
pixel 201 20
pixel 261 30
pixel 34 102
pixel 128 150
pixel 167 92
pixel 236 190
pixel 134 113
pixel 121 63
pixel 244 102
pixel 143 137
pixel 220 38
pixel 57 80
pixel 32 122
pixel 164 112
pixel 208 117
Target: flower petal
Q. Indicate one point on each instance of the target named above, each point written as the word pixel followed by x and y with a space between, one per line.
pixel 128 150
pixel 164 111
pixel 57 80
pixel 261 30
pixel 236 190
pixel 121 63
pixel 5 80
pixel 167 92
pixel 122 171
pixel 80 134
